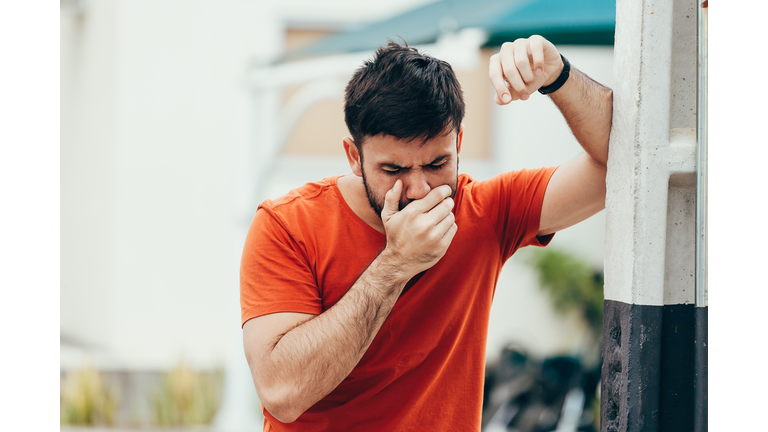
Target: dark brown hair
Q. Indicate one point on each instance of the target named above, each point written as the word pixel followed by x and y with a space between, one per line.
pixel 405 94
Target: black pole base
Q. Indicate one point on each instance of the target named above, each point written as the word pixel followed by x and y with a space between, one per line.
pixel 648 374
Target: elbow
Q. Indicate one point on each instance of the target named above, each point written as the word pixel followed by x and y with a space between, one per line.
pixel 280 406
pixel 602 163
pixel 284 414
pixel 277 396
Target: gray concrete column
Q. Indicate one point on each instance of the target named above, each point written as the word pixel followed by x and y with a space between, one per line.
pixel 649 321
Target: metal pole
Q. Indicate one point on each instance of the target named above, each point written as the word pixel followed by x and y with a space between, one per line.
pixel 701 162
pixel 700 357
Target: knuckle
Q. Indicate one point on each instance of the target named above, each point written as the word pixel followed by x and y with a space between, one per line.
pixel 507 45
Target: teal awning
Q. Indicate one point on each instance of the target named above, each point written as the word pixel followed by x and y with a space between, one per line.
pixel 564 22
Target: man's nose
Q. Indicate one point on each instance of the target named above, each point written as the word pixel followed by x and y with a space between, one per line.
pixel 416 186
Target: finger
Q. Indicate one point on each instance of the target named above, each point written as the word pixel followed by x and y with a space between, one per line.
pixel 497 81
pixel 433 198
pixel 450 232
pixel 439 212
pixel 536 47
pixel 391 201
pixel 442 226
pixel 499 102
pixel 523 63
pixel 512 75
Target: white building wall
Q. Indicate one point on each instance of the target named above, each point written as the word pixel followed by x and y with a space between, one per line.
pixel 88 78
pixel 160 115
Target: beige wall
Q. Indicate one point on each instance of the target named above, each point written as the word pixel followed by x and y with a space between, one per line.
pixel 297 38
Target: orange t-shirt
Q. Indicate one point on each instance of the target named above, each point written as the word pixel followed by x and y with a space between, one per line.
pixel 424 370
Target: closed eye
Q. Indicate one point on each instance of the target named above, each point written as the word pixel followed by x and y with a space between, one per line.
pixel 437 165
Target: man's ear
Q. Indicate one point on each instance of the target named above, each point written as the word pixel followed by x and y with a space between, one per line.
pixel 353 156
pixel 459 138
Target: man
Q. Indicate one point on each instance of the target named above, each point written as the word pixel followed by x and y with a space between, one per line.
pixel 366 297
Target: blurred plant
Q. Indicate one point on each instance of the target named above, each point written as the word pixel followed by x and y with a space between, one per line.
pixel 86 399
pixel 596 408
pixel 572 285
pixel 186 397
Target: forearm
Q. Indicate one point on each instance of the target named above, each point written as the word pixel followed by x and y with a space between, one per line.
pixel 588 108
pixel 310 360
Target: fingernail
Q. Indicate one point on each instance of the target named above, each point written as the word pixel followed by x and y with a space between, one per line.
pixel 524 96
pixel 538 71
pixel 506 98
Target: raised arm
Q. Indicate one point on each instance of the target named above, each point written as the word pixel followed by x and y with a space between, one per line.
pixel 577 189
pixel 297 359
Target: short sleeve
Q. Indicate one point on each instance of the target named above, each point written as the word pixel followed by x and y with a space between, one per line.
pixel 512 202
pixel 274 273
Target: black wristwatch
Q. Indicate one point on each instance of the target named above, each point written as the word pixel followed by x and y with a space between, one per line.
pixel 555 86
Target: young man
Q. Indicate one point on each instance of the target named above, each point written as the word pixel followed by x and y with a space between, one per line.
pixel 365 297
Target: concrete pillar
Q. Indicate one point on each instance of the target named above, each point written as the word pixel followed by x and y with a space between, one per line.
pixel 649 318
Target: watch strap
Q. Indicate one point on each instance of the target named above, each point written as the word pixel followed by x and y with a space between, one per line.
pixel 560 80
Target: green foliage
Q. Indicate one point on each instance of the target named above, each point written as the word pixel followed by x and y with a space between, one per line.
pixel 186 397
pixel 86 399
pixel 596 409
pixel 572 284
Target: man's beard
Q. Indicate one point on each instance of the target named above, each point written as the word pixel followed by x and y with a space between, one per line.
pixel 377 203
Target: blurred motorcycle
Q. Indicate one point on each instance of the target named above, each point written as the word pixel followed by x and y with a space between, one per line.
pixel 525 395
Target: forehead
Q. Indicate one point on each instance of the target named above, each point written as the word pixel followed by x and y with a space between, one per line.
pixel 388 149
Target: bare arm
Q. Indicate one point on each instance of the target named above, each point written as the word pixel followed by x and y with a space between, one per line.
pixel 297 359
pixel 576 190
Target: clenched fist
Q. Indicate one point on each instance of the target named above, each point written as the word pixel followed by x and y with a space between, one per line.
pixel 522 67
